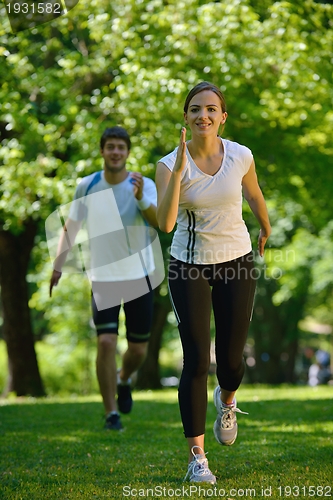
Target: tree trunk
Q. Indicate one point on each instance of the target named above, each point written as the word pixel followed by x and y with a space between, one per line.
pixel 291 361
pixel 149 373
pixel 24 378
pixel 267 334
pixel 275 330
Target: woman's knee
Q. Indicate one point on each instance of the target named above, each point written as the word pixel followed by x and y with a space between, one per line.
pixel 230 373
pixel 197 366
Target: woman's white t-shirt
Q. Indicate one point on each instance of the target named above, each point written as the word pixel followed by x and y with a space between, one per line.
pixel 210 226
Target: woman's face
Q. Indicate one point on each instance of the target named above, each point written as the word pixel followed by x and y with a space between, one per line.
pixel 204 115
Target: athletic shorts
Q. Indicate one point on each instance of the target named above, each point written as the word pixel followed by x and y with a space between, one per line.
pixel 138 313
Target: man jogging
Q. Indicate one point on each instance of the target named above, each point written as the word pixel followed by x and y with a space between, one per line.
pixel 116 206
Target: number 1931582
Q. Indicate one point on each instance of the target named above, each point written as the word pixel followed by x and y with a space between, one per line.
pixel 34 8
pixel 305 491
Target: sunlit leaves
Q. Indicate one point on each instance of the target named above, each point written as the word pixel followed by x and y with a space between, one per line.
pixel 132 62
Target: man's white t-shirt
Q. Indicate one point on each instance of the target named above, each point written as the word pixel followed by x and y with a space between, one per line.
pixel 210 226
pixel 115 239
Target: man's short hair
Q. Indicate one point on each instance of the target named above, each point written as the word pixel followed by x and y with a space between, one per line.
pixel 115 133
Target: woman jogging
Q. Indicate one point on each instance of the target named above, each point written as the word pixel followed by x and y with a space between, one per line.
pixel 200 186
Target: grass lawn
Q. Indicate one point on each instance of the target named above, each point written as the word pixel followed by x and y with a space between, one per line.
pixel 57 448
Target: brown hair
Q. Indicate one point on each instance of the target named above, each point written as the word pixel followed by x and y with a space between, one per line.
pixel 115 133
pixel 200 87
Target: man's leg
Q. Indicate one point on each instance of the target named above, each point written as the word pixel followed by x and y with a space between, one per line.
pixel 106 323
pixel 138 314
pixel 133 358
pixel 106 369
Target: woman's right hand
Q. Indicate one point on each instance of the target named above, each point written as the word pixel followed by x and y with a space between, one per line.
pixel 181 153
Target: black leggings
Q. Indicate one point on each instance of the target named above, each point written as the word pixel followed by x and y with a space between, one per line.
pixel 230 288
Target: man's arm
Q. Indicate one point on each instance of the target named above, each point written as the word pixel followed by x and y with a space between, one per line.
pixel 150 215
pixel 147 209
pixel 67 238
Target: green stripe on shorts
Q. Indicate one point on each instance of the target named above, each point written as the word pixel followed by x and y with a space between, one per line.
pixel 139 336
pixel 106 325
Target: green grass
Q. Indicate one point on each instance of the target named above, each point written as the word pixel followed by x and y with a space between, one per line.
pixel 57 449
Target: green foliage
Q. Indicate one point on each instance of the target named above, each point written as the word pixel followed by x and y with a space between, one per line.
pixel 132 63
pixel 68 311
pixel 3 366
pixel 305 259
pixel 56 448
pixel 66 369
pixel 320 304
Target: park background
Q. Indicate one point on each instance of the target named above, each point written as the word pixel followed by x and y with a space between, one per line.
pixel 132 63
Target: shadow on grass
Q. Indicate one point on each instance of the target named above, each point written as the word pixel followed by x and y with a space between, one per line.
pixel 281 437
pixel 61 445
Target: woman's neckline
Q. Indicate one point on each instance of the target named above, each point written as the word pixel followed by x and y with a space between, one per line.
pixel 222 162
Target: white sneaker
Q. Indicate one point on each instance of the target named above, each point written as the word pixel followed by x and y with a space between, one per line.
pixel 225 426
pixel 198 471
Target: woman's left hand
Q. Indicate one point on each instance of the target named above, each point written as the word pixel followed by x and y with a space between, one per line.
pixel 263 237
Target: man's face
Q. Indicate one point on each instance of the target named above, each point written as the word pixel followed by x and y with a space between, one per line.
pixel 115 153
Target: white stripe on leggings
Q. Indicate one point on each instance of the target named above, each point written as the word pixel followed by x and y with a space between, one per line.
pixel 173 305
